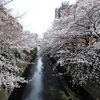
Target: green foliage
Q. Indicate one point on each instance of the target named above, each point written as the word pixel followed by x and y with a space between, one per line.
pixel 63 95
pixel 69 96
pixel 17 54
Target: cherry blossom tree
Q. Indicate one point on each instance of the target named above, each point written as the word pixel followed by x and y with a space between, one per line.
pixel 74 42
pixel 13 42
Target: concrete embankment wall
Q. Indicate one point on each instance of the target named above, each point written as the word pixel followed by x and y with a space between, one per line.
pixel 74 92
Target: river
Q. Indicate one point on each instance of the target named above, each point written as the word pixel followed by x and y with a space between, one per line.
pixel 33 90
pixel 42 86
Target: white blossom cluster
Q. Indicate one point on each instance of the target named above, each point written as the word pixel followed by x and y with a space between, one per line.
pixel 75 42
pixel 13 43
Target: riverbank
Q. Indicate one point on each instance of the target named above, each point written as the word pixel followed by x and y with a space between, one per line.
pixel 17 92
pixel 69 91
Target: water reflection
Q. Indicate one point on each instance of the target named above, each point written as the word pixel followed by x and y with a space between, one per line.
pixel 34 88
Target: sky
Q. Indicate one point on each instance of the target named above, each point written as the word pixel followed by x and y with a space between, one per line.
pixel 39 14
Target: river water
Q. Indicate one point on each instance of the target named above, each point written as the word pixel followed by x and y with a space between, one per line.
pixel 33 90
pixel 42 86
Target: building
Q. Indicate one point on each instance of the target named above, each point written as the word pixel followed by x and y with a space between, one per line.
pixel 58 11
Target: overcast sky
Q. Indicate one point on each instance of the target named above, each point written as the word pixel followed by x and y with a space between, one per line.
pixel 39 13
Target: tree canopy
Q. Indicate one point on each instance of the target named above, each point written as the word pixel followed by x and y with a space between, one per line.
pixel 13 43
pixel 74 40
